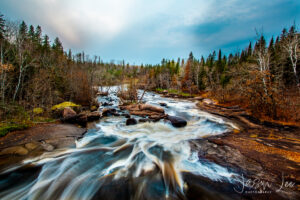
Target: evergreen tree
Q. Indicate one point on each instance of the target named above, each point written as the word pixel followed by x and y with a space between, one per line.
pixel 46 44
pixel 23 29
pixel 249 50
pixel 38 34
pixel 57 46
pixel 31 33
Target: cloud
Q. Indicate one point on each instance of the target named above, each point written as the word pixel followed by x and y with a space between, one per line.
pixel 123 29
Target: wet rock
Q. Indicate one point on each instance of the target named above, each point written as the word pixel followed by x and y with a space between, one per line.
pixel 31 146
pixel 68 112
pixel 108 112
pixel 80 119
pixel 145 110
pixel 156 117
pixel 47 147
pixel 177 121
pixel 102 93
pixel 107 104
pixel 145 120
pixel 16 150
pixel 125 115
pixel 92 116
pixel 198 98
pixel 151 108
pixel 163 104
pixel 131 121
pixel 94 108
pixel 208 101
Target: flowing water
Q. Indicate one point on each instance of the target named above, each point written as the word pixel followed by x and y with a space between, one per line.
pixel 115 161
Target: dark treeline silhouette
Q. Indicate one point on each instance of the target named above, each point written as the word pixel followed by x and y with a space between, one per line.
pixel 263 77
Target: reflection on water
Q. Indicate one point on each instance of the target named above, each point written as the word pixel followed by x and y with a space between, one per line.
pixel 115 161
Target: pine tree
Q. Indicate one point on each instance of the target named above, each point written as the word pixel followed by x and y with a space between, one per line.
pixel 249 50
pixel 23 30
pixel 31 32
pixel 70 55
pixel 46 44
pixel 57 46
pixel 38 35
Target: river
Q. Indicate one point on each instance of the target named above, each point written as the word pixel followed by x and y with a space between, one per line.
pixel 115 161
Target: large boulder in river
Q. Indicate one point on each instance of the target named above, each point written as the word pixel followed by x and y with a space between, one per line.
pixel 163 104
pixel 145 110
pixel 177 121
pixel 109 112
pixel 151 108
pixel 131 121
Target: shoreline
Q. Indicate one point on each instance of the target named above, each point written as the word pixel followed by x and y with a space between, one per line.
pixel 31 142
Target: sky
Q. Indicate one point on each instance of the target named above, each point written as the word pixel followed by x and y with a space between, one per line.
pixel 146 31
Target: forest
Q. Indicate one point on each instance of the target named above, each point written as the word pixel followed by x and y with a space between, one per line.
pixel 36 74
pixel 263 77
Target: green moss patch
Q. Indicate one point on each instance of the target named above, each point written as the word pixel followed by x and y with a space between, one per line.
pixel 8 127
pixel 64 105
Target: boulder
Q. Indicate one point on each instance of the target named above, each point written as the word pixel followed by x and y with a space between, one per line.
pixel 92 116
pixel 177 121
pixel 163 104
pixel 208 101
pixel 131 121
pixel 145 120
pixel 108 112
pixel 94 108
pixel 106 104
pixel 16 150
pixel 198 98
pixel 151 108
pixel 68 112
pixel 125 115
pixel 80 119
pixel 145 110
pixel 102 93
pixel 31 146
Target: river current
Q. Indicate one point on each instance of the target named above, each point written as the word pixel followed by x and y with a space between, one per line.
pixel 114 161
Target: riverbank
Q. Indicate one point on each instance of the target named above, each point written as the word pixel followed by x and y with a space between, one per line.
pixel 264 151
pixel 18 145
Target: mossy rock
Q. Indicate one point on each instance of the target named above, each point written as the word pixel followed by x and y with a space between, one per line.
pixel 38 111
pixel 58 109
pixel 94 108
pixel 65 104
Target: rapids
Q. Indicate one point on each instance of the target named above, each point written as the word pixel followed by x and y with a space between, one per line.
pixel 115 161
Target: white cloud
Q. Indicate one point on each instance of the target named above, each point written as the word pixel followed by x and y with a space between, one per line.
pixel 136 25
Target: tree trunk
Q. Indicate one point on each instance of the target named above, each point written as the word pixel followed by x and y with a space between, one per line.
pixel 19 83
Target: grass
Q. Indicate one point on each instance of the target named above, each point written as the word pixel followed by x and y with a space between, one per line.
pixel 8 127
pixel 14 117
pixel 174 91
